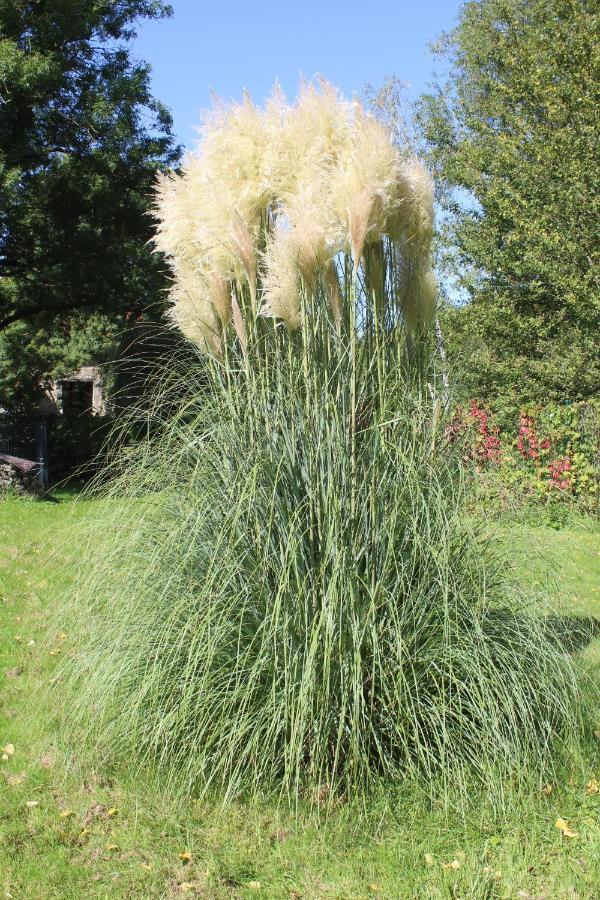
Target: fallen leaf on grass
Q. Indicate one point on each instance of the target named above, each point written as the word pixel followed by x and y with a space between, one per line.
pixel 489 870
pixel 112 812
pixel 99 811
pixel 112 847
pixel 65 813
pixel 14 673
pixel 31 804
pixel 280 836
pixel 9 750
pixel 563 826
pixel 547 790
pixel 185 856
pixel 254 885
pixel 592 786
pixel 523 895
pixel 451 865
pixel 14 780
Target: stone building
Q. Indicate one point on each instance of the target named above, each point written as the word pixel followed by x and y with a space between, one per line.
pixel 80 392
pixel 57 437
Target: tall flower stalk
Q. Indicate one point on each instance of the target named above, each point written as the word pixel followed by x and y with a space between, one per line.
pixel 319 228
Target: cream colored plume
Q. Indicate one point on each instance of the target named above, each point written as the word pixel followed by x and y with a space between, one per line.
pixel 219 291
pixel 413 220
pixel 364 184
pixel 306 138
pixel 176 211
pixel 271 199
pixel 313 230
pixel 281 291
pixel 193 311
pixel 418 293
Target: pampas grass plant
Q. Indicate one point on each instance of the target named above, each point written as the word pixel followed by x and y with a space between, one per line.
pixel 281 590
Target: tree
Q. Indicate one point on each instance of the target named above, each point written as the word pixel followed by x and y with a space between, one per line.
pixel 81 140
pixel 513 139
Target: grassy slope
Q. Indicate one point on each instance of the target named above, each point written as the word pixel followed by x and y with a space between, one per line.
pixel 117 838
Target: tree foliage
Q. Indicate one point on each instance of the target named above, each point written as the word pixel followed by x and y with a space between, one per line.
pixel 513 136
pixel 81 139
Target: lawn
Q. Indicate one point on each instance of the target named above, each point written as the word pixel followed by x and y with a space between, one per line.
pixel 70 831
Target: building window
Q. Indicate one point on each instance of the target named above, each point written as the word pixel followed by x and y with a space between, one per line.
pixel 77 397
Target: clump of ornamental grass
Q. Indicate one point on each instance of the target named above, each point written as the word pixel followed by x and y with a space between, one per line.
pixel 280 589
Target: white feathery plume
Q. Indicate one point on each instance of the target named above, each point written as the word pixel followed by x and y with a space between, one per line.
pixel 418 293
pixel 220 295
pixel 193 312
pixel 412 229
pixel 245 249
pixel 281 294
pixel 334 293
pixel 414 217
pixel 234 144
pixel 312 229
pixel 305 138
pixel 364 182
pixel 176 211
pixel 305 181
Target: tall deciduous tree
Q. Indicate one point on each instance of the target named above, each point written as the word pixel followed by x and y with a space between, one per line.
pixel 81 140
pixel 513 135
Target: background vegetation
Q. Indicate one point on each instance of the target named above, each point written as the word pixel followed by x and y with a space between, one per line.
pixel 512 138
pixel 81 141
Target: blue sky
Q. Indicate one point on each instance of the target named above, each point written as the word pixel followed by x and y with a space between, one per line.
pixel 228 46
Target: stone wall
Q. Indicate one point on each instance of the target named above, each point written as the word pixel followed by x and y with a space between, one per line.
pixel 15 481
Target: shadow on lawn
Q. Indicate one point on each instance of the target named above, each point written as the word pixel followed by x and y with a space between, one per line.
pixel 569 634
pixel 572 633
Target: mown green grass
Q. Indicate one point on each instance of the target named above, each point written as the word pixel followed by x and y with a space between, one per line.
pixel 563 564
pixel 398 849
